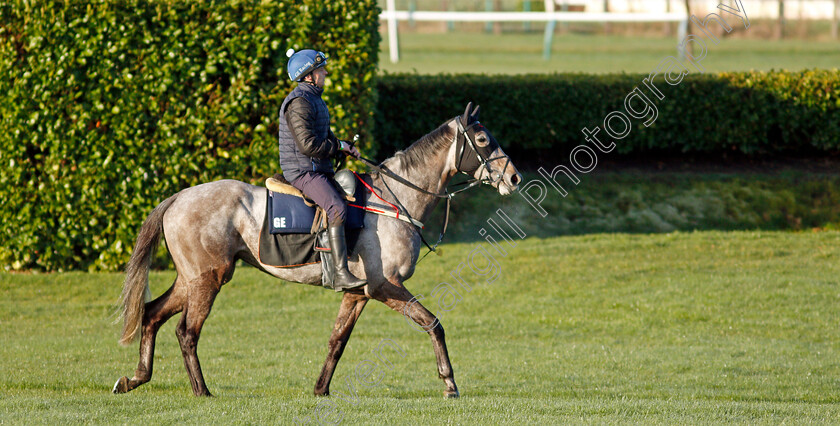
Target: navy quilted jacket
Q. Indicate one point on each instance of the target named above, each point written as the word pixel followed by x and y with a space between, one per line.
pixel 306 141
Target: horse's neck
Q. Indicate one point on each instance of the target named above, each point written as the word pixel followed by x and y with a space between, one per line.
pixel 432 173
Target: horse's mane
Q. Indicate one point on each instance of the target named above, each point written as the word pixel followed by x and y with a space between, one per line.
pixel 420 151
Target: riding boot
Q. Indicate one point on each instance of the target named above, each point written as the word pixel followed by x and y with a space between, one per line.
pixel 343 278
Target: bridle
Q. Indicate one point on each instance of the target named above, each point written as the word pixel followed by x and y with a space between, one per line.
pixel 462 140
pixel 481 153
pixel 465 164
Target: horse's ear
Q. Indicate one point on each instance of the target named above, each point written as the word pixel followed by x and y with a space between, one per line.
pixel 465 119
pixel 475 112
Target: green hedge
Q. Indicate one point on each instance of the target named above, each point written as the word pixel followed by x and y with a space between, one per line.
pixel 541 116
pixel 108 107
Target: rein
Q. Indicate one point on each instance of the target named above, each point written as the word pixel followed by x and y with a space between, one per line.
pixel 395 214
pixel 446 194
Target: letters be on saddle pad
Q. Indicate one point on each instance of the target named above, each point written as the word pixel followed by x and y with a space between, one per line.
pixel 289 215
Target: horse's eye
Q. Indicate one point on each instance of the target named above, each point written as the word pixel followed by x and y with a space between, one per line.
pixel 482 139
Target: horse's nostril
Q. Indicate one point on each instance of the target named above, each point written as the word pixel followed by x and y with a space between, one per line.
pixel 514 180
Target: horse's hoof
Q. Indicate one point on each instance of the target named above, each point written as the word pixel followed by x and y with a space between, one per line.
pixel 451 394
pixel 121 386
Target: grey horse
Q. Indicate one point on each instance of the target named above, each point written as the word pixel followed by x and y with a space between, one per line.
pixel 206 243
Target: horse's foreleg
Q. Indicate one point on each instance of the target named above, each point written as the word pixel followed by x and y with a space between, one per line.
pixel 348 314
pixel 400 299
pixel 200 301
pixel 157 312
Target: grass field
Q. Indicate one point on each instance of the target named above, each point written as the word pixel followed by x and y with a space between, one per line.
pixel 463 52
pixel 668 328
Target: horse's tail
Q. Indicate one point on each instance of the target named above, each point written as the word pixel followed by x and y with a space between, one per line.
pixel 135 291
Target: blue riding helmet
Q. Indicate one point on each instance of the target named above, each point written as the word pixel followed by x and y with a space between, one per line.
pixel 304 62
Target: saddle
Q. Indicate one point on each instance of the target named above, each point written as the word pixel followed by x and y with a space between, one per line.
pixel 293 230
pixel 278 184
pixel 344 178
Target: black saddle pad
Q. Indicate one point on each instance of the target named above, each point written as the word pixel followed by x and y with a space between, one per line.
pixel 296 249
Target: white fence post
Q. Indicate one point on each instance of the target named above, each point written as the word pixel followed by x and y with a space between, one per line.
pixel 393 41
pixel 549 30
pixel 682 31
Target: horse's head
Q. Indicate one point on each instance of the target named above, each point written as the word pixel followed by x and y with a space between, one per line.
pixel 479 155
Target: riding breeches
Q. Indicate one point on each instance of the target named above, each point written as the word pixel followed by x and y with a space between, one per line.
pixel 320 189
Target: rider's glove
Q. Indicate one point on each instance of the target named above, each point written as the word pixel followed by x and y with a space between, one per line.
pixel 349 148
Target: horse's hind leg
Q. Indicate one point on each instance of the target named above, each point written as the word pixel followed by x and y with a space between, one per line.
pixel 202 293
pixel 398 298
pixel 156 313
pixel 348 314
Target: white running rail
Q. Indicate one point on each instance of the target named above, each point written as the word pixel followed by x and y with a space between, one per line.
pixel 392 16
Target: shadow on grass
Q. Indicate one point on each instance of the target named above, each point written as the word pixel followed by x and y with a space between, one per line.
pixel 650 202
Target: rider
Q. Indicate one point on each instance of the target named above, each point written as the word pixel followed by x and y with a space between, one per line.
pixel 306 147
